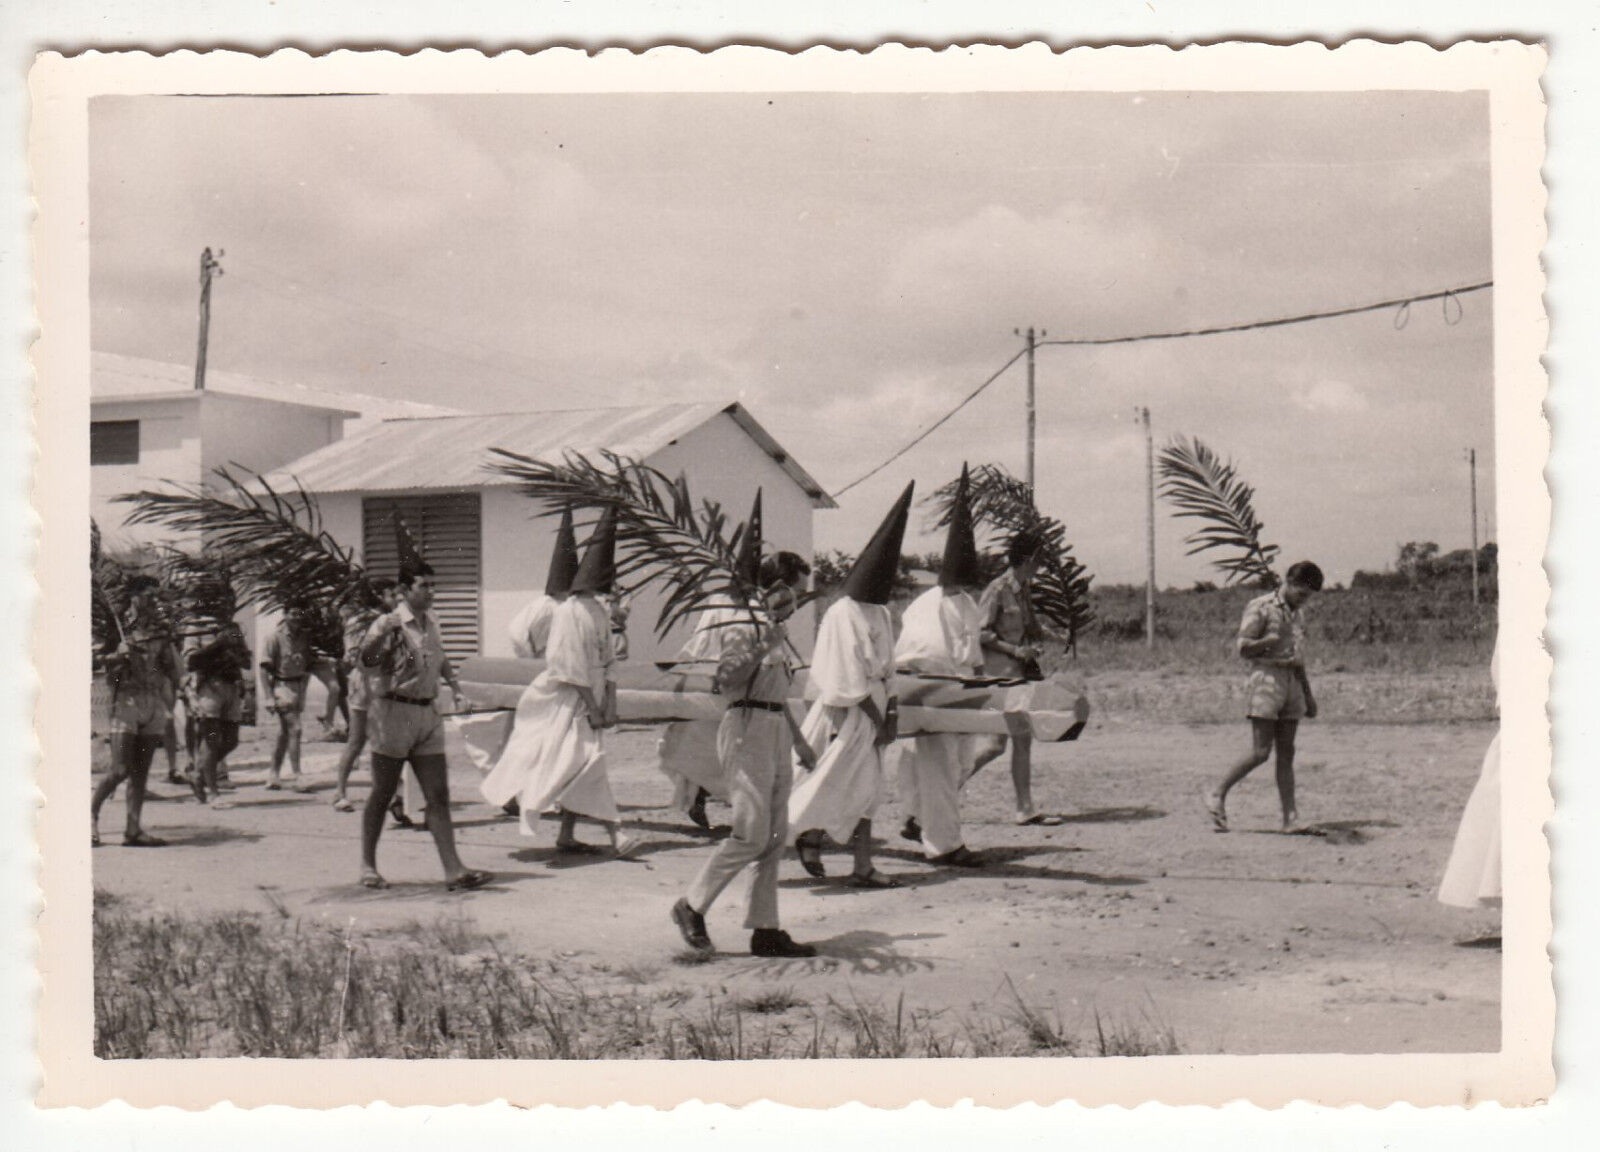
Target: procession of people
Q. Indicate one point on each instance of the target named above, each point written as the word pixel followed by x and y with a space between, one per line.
pixel 789 783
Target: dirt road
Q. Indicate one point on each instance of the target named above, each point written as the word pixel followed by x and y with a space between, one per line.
pixel 1132 908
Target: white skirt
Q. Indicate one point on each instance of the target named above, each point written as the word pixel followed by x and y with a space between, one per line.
pixel 1472 875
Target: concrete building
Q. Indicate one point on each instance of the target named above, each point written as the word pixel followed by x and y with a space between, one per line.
pixel 489 544
pixel 149 427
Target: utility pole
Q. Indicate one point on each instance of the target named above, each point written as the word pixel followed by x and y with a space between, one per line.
pixel 1143 415
pixel 1033 420
pixel 209 269
pixel 1472 466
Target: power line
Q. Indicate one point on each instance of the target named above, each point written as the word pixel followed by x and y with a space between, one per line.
pixel 1446 294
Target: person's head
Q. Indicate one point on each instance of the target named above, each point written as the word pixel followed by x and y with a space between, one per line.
pixel 415 585
pixel 142 593
pixel 385 596
pixel 1023 555
pixel 297 618
pixel 783 576
pixel 1301 581
pixel 232 632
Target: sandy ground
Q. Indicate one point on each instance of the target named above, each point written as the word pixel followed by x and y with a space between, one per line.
pixel 1131 908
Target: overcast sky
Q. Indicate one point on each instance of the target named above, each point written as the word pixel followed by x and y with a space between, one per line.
pixel 849 267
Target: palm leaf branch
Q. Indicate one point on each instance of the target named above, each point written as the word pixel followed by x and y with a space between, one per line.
pixel 663 537
pixel 1201 485
pixel 274 543
pixel 1003 508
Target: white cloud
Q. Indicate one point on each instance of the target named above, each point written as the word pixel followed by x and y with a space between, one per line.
pixel 1331 396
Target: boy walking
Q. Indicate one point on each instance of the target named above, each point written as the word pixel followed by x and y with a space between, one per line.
pixel 1272 639
pixel 284 667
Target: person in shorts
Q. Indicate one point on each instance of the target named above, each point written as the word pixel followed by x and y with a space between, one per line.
pixel 406 651
pixel 1272 639
pixel 285 665
pixel 215 668
pixel 142 672
pixel 385 599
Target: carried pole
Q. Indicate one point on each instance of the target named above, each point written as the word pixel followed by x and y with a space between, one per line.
pixel 1150 529
pixel 209 269
pixel 1033 416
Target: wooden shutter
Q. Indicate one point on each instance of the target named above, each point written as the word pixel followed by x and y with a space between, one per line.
pixel 449 530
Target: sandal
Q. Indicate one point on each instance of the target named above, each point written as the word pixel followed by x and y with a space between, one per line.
pixel 810 853
pixel 343 804
pixel 874 880
pixel 577 848
pixel 468 880
pixel 1219 814
pixel 143 840
pixel 94 839
pixel 626 846
pixel 373 880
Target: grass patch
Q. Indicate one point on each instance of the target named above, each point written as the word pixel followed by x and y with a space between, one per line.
pixel 242 984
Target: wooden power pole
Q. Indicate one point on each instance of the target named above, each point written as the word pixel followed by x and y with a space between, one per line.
pixel 1150 530
pixel 209 269
pixel 1033 417
pixel 1472 468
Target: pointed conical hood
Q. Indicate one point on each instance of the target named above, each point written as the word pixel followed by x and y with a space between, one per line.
pixel 598 570
pixel 407 554
pixel 871 578
pixel 748 563
pixel 563 559
pixel 960 568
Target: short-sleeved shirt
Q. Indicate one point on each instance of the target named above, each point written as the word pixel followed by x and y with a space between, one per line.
pixel 1006 612
pixel 288 654
pixel 769 681
pixel 151 667
pixel 1270 615
pixel 416 662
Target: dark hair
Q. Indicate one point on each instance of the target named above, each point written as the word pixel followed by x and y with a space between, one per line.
pixel 782 568
pixel 1024 546
pixel 380 584
pixel 140 583
pixel 1306 574
pixel 410 572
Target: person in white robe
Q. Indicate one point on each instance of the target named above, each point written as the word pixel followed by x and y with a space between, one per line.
pixel 939 636
pixel 686 752
pixel 854 716
pixel 1472 874
pixel 555 757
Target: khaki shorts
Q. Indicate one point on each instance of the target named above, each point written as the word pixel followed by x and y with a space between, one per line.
pixel 1275 694
pixel 213 701
pixel 360 692
pixel 400 730
pixel 289 697
pixel 139 714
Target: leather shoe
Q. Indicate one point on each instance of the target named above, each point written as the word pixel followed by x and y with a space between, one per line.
pixel 962 857
pixel 692 925
pixel 912 831
pixel 776 942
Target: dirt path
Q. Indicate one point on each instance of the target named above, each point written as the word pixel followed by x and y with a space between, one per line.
pixel 1131 909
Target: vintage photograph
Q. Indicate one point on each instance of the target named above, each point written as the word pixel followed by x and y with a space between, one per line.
pixel 791 575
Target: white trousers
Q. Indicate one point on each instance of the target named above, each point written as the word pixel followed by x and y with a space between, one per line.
pixel 754 748
pixel 933 769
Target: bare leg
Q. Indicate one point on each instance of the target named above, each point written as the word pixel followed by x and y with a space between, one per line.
pixel 356 741
pixel 385 779
pixel 144 753
pixel 1022 772
pixel 169 742
pixel 121 759
pixel 861 848
pixel 279 749
pixel 293 719
pixel 433 777
pixel 987 748
pixel 1261 739
pixel 567 837
pixel 1284 740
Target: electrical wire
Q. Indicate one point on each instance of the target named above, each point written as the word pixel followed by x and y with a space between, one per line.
pixel 1448 295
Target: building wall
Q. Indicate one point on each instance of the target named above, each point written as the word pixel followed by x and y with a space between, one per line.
pixel 259 436
pixel 169 450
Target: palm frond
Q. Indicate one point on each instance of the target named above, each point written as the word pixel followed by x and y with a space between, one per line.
pixel 274 543
pixel 199 589
pixel 1201 485
pixel 1003 508
pixel 107 599
pixel 662 536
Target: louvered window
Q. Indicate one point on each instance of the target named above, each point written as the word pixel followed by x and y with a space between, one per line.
pixel 449 531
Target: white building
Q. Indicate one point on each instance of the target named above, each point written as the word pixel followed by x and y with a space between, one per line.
pixel 490 545
pixel 149 427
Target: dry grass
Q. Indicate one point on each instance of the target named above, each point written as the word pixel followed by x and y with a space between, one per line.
pixel 257 985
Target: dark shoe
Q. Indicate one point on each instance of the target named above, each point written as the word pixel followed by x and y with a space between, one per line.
pixel 398 810
pixel 143 840
pixel 697 812
pixel 874 880
pixel 512 808
pixel 962 857
pixel 468 880
pixel 912 831
pixel 174 778
pixel 810 852
pixel 776 942
pixel 94 839
pixel 692 925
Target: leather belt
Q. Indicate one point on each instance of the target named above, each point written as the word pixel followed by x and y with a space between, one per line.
pixel 417 700
pixel 763 705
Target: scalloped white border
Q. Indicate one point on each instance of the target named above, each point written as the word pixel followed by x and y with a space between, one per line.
pixel 1520 1073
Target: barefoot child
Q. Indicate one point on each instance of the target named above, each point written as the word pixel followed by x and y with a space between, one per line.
pixel 1272 638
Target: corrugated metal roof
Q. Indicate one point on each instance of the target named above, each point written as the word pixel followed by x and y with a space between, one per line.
pixel 113 376
pixel 451 451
